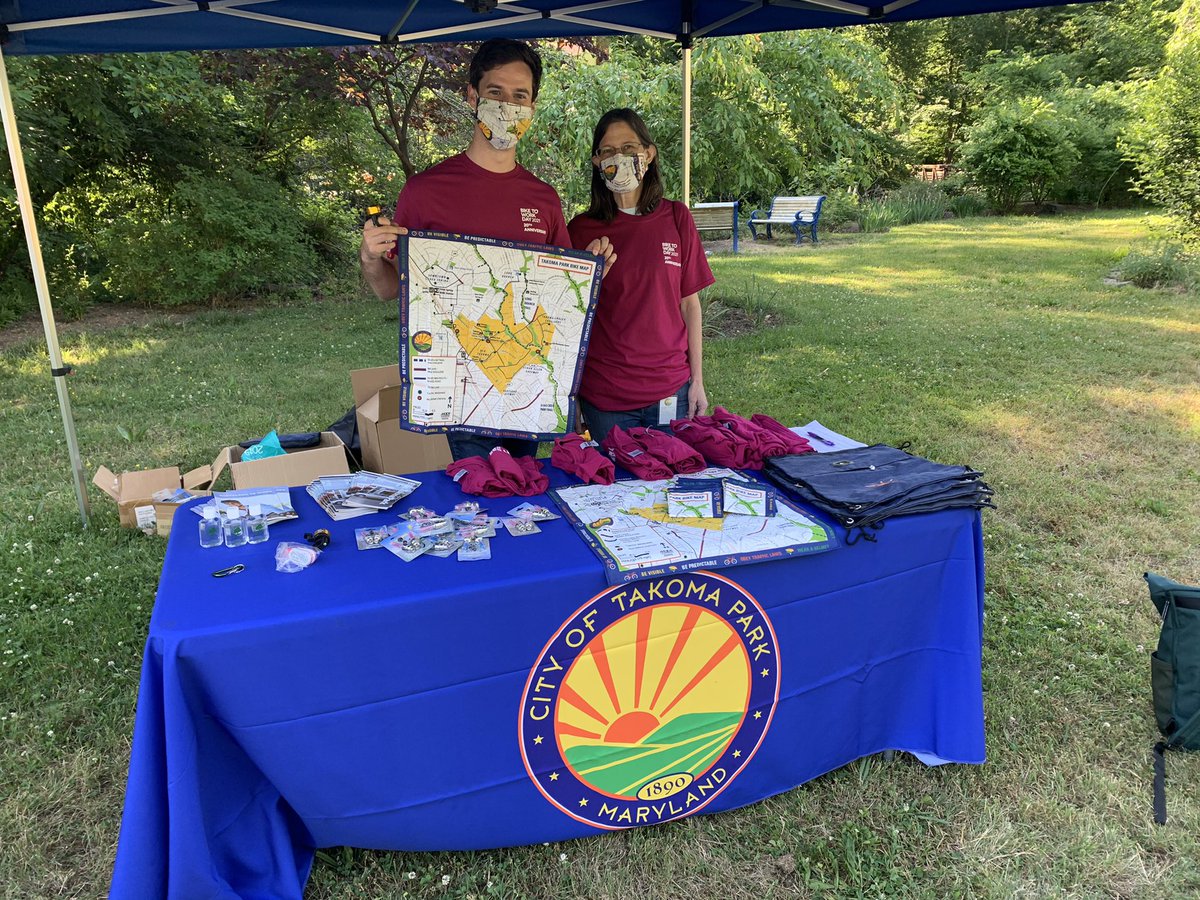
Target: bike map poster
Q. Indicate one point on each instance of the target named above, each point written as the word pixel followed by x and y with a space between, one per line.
pixel 492 334
pixel 626 524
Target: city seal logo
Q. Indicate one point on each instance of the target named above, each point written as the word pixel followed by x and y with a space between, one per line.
pixel 650 700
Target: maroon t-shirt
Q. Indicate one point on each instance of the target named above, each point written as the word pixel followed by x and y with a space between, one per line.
pixel 638 349
pixel 459 196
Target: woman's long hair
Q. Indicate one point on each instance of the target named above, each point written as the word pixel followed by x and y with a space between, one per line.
pixel 604 201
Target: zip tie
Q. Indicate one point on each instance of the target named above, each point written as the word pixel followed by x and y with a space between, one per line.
pixel 59 373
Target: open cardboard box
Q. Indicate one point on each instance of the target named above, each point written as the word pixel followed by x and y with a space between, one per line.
pixel 386 447
pixel 296 468
pixel 134 490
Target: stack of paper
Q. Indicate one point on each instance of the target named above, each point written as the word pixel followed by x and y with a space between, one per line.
pixel 275 502
pixel 347 496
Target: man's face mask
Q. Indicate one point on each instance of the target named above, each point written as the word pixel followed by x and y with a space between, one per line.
pixel 622 172
pixel 503 123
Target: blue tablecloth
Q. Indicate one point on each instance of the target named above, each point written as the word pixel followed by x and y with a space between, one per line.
pixel 375 703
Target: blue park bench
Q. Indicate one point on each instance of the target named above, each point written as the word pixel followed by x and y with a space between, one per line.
pixel 717 217
pixel 798 212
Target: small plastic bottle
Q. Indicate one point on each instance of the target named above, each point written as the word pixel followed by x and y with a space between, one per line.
pixel 210 529
pixel 256 527
pixel 235 529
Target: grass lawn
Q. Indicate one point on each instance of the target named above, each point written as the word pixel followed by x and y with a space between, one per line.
pixel 991 342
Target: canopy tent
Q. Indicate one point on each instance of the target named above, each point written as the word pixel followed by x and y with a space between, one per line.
pixel 57 27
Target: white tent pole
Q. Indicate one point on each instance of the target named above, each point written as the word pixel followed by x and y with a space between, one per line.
pixel 25 201
pixel 687 126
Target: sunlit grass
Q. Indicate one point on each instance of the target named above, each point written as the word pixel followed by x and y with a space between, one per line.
pixel 992 342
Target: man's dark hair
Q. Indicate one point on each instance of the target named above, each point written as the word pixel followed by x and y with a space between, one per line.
pixel 500 52
pixel 604 201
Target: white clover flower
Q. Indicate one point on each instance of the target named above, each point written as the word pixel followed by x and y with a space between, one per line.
pixel 445 880
pixel 411 876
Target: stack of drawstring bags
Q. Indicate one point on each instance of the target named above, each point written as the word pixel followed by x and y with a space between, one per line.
pixel 862 487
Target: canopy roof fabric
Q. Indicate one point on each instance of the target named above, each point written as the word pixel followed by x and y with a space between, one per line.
pixel 113 26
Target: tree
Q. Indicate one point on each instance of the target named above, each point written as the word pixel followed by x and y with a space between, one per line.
pixel 171 178
pixel 409 91
pixel 777 113
pixel 1165 147
pixel 940 64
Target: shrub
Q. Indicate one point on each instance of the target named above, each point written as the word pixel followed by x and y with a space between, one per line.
pixel 839 209
pixel 954 185
pixel 1162 266
pixel 218 236
pixel 964 206
pixel 917 201
pixel 876 216
pixel 1018 150
pixel 17 296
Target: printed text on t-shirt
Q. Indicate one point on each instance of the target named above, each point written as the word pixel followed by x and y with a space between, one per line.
pixel 532 222
pixel 671 253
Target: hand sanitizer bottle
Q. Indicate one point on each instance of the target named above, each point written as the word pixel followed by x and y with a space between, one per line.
pixel 235 529
pixel 256 528
pixel 210 529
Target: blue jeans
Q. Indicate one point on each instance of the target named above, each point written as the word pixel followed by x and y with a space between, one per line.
pixel 600 421
pixel 464 444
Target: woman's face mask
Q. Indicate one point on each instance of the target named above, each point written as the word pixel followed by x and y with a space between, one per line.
pixel 502 123
pixel 623 172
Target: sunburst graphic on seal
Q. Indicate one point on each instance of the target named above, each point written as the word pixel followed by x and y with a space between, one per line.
pixel 659 692
pixel 650 699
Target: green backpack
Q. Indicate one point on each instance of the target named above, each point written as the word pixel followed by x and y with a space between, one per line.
pixel 1174 677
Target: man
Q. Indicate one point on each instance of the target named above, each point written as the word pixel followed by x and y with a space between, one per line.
pixel 481 191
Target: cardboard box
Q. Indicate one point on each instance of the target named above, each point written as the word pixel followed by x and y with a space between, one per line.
pixel 296 468
pixel 132 490
pixel 164 514
pixel 385 446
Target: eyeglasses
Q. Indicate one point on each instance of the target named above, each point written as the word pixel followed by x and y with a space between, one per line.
pixel 625 150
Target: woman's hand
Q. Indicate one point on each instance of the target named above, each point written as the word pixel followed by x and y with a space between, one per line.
pixel 697 400
pixel 602 246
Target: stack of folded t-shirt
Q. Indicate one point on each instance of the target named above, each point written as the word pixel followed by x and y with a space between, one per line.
pixel 864 486
pixel 650 454
pixel 573 454
pixel 727 439
pixel 500 474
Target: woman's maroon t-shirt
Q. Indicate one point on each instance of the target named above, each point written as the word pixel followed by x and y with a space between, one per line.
pixel 637 354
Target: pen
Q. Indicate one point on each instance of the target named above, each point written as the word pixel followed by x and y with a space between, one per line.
pixel 825 441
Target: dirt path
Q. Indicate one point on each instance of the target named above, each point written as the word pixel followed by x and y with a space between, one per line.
pixel 98 318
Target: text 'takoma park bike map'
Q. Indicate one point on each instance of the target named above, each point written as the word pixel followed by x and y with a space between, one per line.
pixel 492 334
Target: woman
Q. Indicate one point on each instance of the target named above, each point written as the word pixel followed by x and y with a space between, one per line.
pixel 644 360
